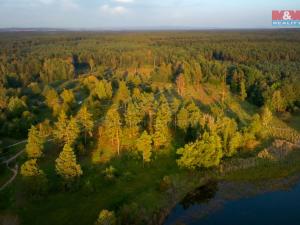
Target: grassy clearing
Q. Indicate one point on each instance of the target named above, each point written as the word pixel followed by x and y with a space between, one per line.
pixel 267 169
pixel 294 121
pixel 133 183
pixel 5 174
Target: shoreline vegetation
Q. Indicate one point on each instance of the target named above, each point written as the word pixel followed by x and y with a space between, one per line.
pixel 256 177
pixel 120 127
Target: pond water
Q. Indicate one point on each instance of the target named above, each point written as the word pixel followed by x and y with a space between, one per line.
pixel 273 203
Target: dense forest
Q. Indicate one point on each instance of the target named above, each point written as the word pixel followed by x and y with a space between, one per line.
pixel 118 126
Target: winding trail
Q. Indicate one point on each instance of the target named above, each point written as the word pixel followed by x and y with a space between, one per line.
pixel 16 168
pixel 13 170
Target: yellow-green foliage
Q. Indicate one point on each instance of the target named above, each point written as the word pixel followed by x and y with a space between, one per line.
pixel 30 169
pixel 35 144
pixel 67 96
pixel 66 165
pixel 161 134
pixel 106 218
pixel 205 152
pixel 266 116
pixel 85 120
pixel 66 131
pixel 112 126
pixel 143 145
pixel 52 100
pixel 103 89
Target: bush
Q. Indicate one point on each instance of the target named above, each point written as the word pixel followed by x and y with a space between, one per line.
pixel 106 218
pixel 110 173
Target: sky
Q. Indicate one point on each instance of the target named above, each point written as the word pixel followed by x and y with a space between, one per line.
pixel 122 14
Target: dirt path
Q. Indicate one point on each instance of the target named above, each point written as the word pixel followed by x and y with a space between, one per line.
pixel 13 170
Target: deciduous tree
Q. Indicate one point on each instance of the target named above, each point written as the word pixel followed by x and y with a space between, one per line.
pixel 205 152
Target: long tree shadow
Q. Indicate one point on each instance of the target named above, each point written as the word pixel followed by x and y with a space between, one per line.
pixel 200 195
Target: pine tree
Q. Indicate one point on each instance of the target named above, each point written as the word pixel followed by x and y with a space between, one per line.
pixel 34 178
pixel 108 89
pixel 183 119
pixel 16 106
pixel 278 102
pixel 52 100
pixel 147 105
pixel 255 125
pixel 161 130
pixel 143 145
pixel 165 109
pixel 30 169
pixel 35 143
pixel 266 115
pixel 194 114
pixel 72 131
pixel 234 143
pixel 61 126
pixel 113 126
pixel 66 130
pixel 3 97
pixel 123 94
pixel 163 118
pixel 163 73
pixel 226 128
pixel 136 93
pixel 180 82
pixel 196 73
pixel 243 93
pixel 66 165
pixel 85 121
pixel 101 90
pixel 132 119
pixel 68 97
pixel 175 104
pixel 92 64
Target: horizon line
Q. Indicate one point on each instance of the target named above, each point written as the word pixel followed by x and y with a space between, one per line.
pixel 139 28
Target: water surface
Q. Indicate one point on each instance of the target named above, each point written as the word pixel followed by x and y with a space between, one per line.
pixel 269 203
